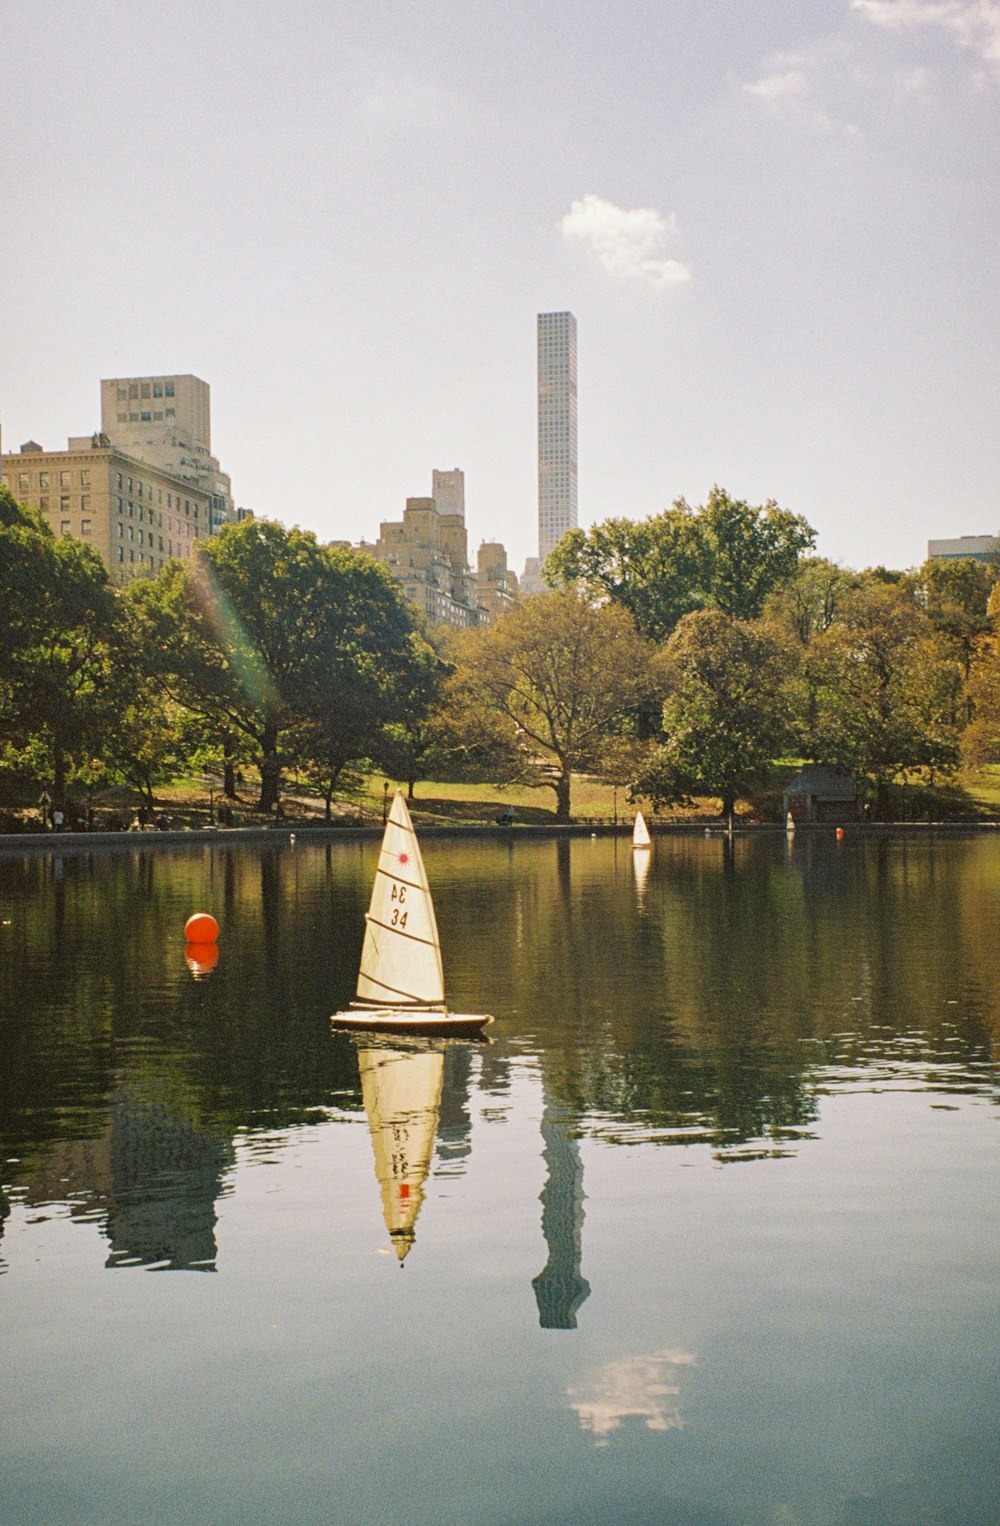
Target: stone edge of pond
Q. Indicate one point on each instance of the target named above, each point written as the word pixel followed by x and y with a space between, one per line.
pixel 20 842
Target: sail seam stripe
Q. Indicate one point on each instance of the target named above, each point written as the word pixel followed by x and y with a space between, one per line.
pixel 420 1001
pixel 427 942
pixel 411 884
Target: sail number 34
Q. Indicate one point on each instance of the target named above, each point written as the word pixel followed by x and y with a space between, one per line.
pixel 398 918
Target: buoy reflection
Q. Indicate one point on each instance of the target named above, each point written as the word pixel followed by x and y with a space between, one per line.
pixel 201 958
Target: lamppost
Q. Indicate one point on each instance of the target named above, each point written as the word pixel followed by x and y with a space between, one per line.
pixel 614 788
pixel 385 802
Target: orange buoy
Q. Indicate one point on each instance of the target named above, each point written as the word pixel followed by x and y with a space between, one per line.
pixel 840 833
pixel 201 958
pixel 201 928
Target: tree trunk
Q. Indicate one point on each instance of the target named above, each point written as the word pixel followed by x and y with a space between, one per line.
pixel 562 796
pixel 270 768
pixel 228 767
pixel 58 778
pixel 728 806
pixel 328 801
pixel 411 785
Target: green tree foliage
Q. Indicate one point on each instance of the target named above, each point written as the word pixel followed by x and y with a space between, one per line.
pixel 726 555
pixel 981 737
pixel 545 687
pixel 809 601
pixel 725 716
pixel 302 650
pixel 657 568
pixel 956 596
pixel 752 551
pixel 883 682
pixel 58 632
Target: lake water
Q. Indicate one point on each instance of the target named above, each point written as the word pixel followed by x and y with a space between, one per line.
pixel 707 1235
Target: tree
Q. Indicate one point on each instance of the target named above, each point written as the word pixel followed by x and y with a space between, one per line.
pixel 884 683
pixel 555 676
pixel 726 555
pixel 725 717
pixel 657 568
pixel 58 630
pixel 809 601
pixel 956 596
pixel 752 551
pixel 302 650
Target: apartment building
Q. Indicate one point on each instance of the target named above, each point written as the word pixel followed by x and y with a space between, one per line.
pixel 133 513
pixel 167 421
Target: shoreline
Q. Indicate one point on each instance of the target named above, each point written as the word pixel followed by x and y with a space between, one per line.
pixel 62 842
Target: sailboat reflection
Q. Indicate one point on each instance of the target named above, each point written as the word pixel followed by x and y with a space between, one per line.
pixel 402 1096
pixel 640 867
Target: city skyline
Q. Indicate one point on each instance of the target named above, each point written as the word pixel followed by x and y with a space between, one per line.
pixel 774 227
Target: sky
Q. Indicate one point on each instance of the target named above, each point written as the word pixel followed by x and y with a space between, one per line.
pixel 776 223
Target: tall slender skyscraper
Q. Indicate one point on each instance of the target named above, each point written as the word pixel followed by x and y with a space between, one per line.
pixel 556 428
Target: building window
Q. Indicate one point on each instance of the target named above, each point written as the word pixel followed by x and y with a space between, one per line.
pixel 64 505
pixel 43 504
pixel 168 389
pixel 121 553
pixel 170 413
pixel 122 394
pixel 64 527
pixel 131 532
pixel 133 418
pixel 121 530
pixel 43 479
pixel 123 418
pixel 157 417
pixel 84 501
pixel 140 538
pixel 23 482
pixel 157 389
pixel 85 477
pixel 119 482
pixel 145 389
pixel 84 526
pixel 133 390
pixel 146 417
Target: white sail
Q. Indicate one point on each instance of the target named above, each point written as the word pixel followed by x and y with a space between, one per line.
pixel 640 832
pixel 402 1096
pixel 401 955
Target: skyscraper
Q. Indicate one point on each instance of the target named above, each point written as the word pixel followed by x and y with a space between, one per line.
pixel 556 428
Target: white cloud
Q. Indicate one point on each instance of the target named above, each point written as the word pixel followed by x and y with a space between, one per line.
pixel 627 243
pixel 786 90
pixel 975 24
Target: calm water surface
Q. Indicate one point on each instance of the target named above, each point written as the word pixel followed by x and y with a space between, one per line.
pixel 707 1235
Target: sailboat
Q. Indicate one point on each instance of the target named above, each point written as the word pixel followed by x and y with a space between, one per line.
pixel 401 982
pixel 640 832
pixel 402 1097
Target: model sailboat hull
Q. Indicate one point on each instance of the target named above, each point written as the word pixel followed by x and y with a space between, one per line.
pixel 399 1020
pixel 400 982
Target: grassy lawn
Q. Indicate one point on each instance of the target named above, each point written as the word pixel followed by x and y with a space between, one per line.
pixel 971 796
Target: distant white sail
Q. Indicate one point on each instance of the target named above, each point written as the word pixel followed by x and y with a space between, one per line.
pixel 401 955
pixel 402 1096
pixel 640 832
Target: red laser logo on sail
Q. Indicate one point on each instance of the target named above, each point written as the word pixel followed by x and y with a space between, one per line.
pixel 404 858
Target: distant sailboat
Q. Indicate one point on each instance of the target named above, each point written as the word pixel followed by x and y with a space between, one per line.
pixel 402 1096
pixel 640 832
pixel 401 982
